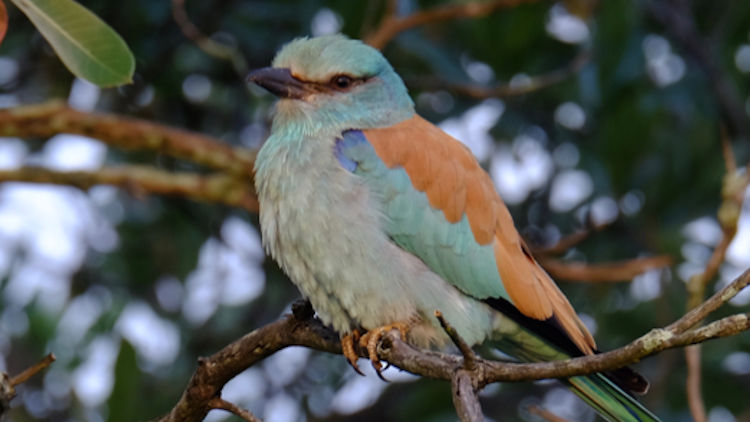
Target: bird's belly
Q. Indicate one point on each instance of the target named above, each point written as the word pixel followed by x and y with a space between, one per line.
pixel 335 250
pixel 336 265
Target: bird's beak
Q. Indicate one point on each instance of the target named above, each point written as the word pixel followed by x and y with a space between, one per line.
pixel 280 82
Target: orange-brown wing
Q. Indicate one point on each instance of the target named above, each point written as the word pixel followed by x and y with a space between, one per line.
pixel 454 183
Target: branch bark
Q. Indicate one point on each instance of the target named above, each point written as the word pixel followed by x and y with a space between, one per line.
pixel 140 180
pixel 52 118
pixel 8 384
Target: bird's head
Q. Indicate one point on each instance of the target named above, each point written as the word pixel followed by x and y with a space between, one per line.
pixel 336 83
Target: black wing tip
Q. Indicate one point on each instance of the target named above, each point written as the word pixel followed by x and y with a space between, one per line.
pixel 550 329
pixel 629 380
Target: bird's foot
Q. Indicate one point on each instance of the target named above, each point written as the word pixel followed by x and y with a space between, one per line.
pixel 347 349
pixel 372 338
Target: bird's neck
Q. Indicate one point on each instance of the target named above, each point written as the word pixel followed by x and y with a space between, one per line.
pixel 292 154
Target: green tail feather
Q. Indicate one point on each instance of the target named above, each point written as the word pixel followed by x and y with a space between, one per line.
pixel 609 400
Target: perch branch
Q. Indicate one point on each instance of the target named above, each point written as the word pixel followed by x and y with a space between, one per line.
pixel 392 25
pixel 140 180
pixel 301 329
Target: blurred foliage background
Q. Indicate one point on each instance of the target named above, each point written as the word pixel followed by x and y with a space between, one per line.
pixel 128 290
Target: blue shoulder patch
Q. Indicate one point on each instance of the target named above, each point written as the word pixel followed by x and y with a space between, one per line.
pixel 349 139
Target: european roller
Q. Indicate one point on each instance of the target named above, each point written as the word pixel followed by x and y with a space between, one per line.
pixel 380 218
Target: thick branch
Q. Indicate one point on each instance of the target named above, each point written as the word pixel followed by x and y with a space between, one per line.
pixel 48 119
pixel 392 24
pixel 139 180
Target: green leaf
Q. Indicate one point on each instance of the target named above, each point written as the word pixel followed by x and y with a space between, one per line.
pixel 124 402
pixel 86 45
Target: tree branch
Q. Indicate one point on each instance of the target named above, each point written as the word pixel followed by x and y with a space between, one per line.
pixel 219 403
pixel 504 90
pixel 140 180
pixel 392 25
pixel 602 272
pixel 301 329
pixel 206 44
pixel 677 19
pixel 465 399
pixel 52 118
pixel 545 414
pixel 8 384
pixel 733 190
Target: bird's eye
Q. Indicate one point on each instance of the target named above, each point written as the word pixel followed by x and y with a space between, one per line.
pixel 342 81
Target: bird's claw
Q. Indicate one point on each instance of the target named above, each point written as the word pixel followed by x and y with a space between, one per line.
pixel 347 349
pixel 372 338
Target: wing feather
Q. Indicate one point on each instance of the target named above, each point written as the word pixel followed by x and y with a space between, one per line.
pixel 455 184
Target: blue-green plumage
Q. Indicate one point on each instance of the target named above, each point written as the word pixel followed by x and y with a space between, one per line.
pixel 447 248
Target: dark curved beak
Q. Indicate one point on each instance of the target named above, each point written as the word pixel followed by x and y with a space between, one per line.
pixel 279 82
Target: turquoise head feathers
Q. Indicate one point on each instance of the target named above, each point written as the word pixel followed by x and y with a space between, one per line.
pixel 334 82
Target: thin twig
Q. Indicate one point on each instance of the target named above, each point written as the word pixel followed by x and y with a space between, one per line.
pixel 505 90
pixel 565 243
pixel 32 370
pixel 245 415
pixel 140 180
pixel 693 383
pixel 602 272
pixel 733 189
pixel 711 304
pixel 545 414
pixel 678 20
pixel 206 44
pixel 470 358
pixel 726 150
pixel 392 25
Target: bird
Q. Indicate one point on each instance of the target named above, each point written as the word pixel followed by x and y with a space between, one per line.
pixel 381 219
